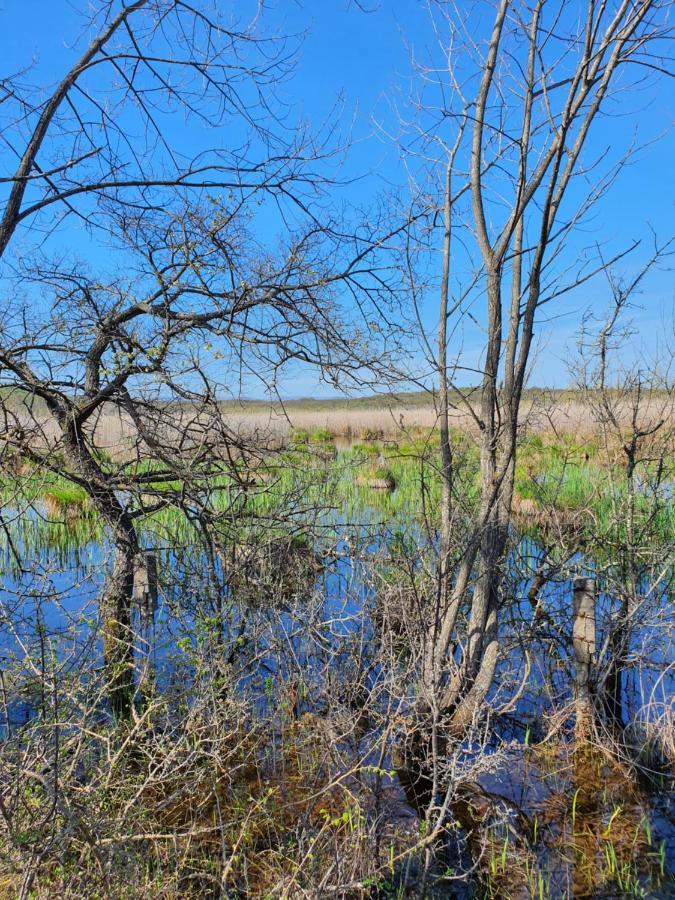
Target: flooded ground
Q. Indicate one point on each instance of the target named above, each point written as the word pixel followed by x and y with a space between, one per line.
pixel 311 633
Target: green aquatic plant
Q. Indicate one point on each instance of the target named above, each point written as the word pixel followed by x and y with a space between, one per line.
pixel 299 436
pixel 367 449
pixel 322 436
pixel 376 477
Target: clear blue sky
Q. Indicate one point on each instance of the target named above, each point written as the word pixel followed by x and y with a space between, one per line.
pixel 365 59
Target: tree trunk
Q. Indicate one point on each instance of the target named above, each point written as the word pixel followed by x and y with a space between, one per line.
pixel 617 652
pixel 118 639
pixel 116 602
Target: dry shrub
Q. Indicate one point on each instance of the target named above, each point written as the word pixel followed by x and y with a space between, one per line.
pixel 654 738
pixel 525 507
pixel 207 803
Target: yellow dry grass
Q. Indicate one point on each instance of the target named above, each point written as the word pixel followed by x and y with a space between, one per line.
pixel 116 435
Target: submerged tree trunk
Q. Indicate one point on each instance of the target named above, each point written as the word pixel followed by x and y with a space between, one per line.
pixel 118 592
pixel 118 643
pixel 612 694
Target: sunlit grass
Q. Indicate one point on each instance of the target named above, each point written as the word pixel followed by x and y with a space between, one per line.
pixel 312 481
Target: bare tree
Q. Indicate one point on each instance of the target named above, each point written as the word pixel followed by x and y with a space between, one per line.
pixel 504 128
pixel 101 136
pixel 193 297
pixel 632 405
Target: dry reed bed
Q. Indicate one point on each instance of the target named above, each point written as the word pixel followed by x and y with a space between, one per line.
pixel 116 434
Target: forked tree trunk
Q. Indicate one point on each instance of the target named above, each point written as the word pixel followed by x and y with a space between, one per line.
pixel 521 244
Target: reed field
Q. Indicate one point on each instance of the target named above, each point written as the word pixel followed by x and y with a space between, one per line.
pixel 553 413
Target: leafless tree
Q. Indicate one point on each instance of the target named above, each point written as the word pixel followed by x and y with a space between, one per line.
pixel 632 405
pixel 193 299
pixel 502 136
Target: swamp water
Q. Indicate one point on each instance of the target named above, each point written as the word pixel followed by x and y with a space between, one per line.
pixel 547 819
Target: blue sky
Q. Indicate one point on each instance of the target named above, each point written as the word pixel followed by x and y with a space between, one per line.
pixel 364 59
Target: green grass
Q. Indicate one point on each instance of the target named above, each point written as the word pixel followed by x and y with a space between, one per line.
pixel 563 485
pixel 312 480
pixel 322 436
pixel 366 449
pixel 68 494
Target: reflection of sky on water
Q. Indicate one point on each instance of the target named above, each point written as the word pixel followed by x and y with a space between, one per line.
pixel 54 599
pixel 320 632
